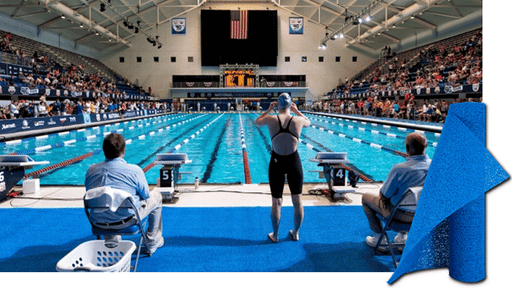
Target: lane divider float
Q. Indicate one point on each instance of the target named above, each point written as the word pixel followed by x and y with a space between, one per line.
pixel 75 159
pixel 64 143
pixel 375 124
pixel 366 179
pixel 247 170
pixel 177 147
pixel 361 141
pixel 46 136
pixel 433 144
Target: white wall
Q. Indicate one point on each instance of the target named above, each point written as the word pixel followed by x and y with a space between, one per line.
pixel 321 77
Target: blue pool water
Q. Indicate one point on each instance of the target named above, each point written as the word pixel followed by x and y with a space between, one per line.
pixel 216 151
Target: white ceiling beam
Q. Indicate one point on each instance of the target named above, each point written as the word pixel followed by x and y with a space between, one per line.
pixel 401 16
pixel 442 14
pixel 299 14
pixel 200 3
pixel 72 14
pixel 455 9
pixel 416 19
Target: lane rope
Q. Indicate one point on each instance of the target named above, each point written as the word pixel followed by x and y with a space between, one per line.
pixel 46 136
pixel 74 141
pixel 433 144
pixel 377 146
pixel 376 124
pixel 361 174
pixel 247 170
pixel 177 147
pixel 90 154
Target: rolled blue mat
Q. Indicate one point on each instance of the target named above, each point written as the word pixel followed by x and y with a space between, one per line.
pixel 448 229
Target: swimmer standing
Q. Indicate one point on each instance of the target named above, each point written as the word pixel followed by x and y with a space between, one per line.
pixel 284 161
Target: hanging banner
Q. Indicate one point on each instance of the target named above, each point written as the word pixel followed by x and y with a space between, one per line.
pixel 296 25
pixel 179 26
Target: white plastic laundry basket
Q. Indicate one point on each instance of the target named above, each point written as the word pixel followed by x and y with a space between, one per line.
pixel 94 256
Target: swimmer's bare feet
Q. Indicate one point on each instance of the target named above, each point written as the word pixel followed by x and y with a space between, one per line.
pixel 271 237
pixel 295 236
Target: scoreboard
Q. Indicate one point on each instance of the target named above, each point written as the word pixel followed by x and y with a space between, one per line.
pixel 239 78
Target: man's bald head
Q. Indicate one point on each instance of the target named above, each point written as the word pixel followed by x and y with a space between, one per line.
pixel 415 144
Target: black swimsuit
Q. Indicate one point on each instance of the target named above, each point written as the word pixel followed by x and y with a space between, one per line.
pixel 284 130
pixel 281 165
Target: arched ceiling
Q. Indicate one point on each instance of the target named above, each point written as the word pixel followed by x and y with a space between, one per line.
pixel 86 23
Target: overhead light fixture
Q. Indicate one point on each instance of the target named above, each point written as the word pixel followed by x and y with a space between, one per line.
pixel 323 46
pixel 102 7
pixel 109 39
pixel 97 33
pixel 62 16
pixel 368 18
pixel 412 16
pixel 81 25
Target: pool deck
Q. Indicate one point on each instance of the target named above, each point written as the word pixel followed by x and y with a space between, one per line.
pixel 231 195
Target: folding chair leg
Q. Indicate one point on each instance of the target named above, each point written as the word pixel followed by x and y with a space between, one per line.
pixel 138 254
pixel 393 255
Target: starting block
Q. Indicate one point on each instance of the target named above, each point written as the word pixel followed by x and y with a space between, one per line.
pixel 334 172
pixel 169 174
pixel 12 170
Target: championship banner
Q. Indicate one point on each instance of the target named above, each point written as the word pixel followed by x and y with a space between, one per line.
pixel 296 25
pixel 179 26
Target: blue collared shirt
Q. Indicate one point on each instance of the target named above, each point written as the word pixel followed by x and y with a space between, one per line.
pixel 118 174
pixel 410 173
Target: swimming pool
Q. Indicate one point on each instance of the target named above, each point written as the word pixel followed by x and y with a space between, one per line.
pixel 213 143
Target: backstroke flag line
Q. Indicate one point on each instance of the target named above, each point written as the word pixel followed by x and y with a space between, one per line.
pixel 448 229
pixel 239 24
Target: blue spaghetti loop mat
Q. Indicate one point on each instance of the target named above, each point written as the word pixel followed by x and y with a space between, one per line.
pixel 204 240
pixel 449 226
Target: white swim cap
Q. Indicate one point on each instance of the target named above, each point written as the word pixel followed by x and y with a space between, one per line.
pixel 285 101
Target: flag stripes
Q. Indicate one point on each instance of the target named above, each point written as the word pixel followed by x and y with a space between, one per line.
pixel 239 24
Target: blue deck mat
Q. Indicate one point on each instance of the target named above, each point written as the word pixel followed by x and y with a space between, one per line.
pixel 204 239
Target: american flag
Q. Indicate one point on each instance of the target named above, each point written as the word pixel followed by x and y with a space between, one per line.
pixel 239 24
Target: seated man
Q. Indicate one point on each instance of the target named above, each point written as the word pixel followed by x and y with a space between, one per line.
pixel 118 174
pixel 410 173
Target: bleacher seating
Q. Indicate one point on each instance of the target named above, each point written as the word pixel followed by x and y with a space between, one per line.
pixel 62 59
pixel 406 66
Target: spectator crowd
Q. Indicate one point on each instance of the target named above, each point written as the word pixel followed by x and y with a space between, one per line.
pixel 47 74
pixel 32 108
